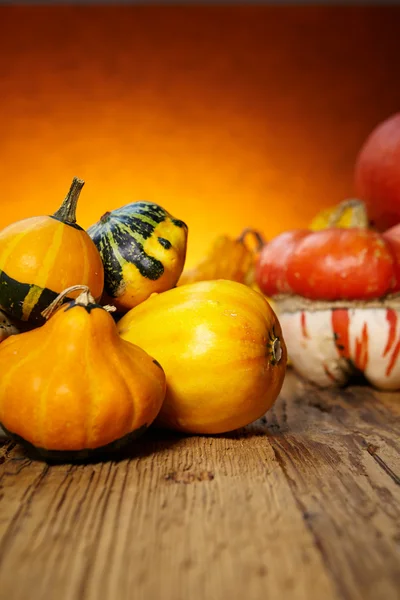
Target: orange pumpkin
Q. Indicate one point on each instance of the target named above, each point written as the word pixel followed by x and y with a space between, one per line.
pixel 221 346
pixel 74 387
pixel 41 256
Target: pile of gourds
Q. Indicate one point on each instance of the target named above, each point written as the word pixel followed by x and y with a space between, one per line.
pixel 98 341
pixel 335 287
pixel 336 290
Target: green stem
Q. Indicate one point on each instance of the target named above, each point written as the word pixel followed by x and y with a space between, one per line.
pixel 67 211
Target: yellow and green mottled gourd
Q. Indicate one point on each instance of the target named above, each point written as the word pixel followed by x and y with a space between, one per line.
pixel 143 248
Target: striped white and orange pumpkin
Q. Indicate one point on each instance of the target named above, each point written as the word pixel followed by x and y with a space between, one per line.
pixel 328 344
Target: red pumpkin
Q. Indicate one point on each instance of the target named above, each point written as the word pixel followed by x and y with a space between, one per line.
pixel 392 238
pixel 377 173
pixel 330 264
pixel 271 267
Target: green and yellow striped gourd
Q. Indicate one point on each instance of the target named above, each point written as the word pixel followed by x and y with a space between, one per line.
pixel 143 249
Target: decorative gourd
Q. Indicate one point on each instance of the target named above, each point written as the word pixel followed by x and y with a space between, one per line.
pixel 221 347
pixel 143 249
pixel 227 258
pixel 41 256
pixel 7 327
pixel 335 291
pixel 73 387
pixel 346 214
pixel 336 263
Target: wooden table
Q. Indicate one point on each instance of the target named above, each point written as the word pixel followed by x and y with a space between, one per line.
pixel 303 504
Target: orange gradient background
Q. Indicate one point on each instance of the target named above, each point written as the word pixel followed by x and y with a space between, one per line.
pixel 226 116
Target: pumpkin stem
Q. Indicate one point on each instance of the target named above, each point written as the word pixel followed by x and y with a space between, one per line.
pixel 85 298
pixel 255 234
pixel 358 214
pixel 47 312
pixel 276 350
pixel 67 211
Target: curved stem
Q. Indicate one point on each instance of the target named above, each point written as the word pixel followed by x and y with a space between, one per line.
pixel 67 211
pixel 85 298
pixel 47 312
pixel 259 238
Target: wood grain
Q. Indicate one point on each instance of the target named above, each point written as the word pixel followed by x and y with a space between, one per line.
pixel 305 503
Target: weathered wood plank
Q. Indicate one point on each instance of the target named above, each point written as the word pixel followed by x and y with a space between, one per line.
pixel 294 507
pixel 194 517
pixel 340 451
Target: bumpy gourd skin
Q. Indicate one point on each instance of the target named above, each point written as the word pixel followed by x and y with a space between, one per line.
pixel 221 347
pixel 143 249
pixel 74 384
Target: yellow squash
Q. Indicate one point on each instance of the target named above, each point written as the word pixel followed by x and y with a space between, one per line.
pixel 221 347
